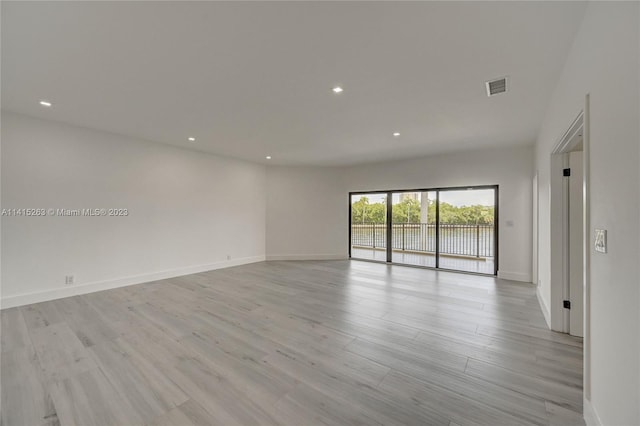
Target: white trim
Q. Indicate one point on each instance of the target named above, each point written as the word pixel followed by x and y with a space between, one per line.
pixel 591 418
pixel 569 140
pixel 544 308
pixel 68 291
pixel 586 144
pixel 273 257
pixel 515 276
pixel 535 278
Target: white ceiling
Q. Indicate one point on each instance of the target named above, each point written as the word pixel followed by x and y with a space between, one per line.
pixel 250 79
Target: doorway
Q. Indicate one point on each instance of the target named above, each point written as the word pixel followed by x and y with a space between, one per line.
pixel 444 228
pixel 568 242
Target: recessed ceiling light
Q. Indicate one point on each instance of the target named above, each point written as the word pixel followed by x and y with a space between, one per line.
pixel 337 89
pixel 46 103
pixel 396 134
pixel 268 157
pixel 191 139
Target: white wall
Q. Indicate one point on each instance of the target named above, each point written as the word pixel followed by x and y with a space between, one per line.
pixel 321 195
pixel 187 210
pixel 307 213
pixel 604 63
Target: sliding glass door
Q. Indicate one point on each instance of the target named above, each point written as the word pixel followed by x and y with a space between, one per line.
pixel 446 228
pixel 369 226
pixel 414 228
pixel 466 230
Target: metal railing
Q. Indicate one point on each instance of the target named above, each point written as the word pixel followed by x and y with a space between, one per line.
pixel 462 240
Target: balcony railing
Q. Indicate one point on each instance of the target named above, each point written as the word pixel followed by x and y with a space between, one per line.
pixel 460 240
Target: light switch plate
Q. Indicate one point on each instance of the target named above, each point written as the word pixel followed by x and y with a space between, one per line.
pixel 601 240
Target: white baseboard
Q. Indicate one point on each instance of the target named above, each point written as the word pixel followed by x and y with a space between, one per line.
pixel 307 257
pixel 68 291
pixel 544 308
pixel 514 276
pixel 591 418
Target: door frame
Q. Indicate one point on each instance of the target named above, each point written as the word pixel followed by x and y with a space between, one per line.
pixel 437 190
pixel 557 231
pixel 535 228
pixel 559 222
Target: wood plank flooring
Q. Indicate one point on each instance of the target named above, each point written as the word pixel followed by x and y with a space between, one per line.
pixel 292 343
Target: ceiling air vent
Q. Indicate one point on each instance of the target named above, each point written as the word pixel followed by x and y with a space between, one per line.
pixel 495 87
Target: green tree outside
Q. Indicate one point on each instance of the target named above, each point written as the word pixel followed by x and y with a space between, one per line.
pixel 409 211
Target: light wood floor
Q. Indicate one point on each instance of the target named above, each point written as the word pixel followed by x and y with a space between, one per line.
pixel 293 343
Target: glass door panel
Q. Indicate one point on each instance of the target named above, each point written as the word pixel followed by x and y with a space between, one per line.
pixel 369 226
pixel 467 230
pixel 414 228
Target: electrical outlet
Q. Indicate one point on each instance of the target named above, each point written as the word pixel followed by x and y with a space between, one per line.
pixel 69 279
